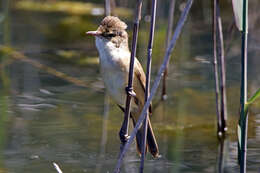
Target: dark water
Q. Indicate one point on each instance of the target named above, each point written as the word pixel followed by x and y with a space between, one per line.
pixel 46 118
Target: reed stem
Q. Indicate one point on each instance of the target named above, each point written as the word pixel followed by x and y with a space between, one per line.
pixel 168 36
pixel 243 121
pixel 223 100
pixel 107 7
pixel 215 64
pixel 156 82
pixel 147 83
pixel 131 71
pixel 220 87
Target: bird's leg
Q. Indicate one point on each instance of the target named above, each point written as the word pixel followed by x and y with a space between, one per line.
pixel 123 133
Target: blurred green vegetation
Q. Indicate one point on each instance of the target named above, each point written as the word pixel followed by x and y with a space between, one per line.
pixel 68 7
pixel 76 57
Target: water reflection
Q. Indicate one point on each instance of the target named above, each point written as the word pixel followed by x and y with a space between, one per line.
pixel 48 118
pixel 101 157
pixel 222 152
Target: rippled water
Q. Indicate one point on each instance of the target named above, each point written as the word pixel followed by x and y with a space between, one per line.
pixel 46 118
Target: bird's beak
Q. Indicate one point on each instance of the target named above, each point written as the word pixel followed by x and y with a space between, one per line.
pixel 93 33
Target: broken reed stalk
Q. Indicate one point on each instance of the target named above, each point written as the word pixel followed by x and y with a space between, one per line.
pixel 168 36
pixel 131 69
pixel 243 121
pixel 156 82
pixel 148 77
pixel 215 64
pixel 222 74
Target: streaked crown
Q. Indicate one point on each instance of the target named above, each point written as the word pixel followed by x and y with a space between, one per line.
pixel 113 23
pixel 113 29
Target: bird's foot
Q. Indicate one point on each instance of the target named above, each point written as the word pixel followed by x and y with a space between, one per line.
pixel 130 91
pixel 123 137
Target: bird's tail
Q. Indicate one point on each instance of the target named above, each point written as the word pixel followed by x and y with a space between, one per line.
pixel 151 140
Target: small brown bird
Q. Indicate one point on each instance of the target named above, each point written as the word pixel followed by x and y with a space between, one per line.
pixel 112 44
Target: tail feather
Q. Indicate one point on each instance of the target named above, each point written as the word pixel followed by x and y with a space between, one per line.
pixel 151 141
pixel 139 137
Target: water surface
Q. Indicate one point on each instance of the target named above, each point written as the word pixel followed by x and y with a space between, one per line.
pixel 46 119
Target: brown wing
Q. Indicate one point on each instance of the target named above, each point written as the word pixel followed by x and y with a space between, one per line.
pixel 139 73
pixel 139 84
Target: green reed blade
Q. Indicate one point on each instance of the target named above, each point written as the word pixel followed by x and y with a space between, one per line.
pixel 254 97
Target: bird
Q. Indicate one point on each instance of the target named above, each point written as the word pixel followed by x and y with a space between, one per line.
pixel 111 40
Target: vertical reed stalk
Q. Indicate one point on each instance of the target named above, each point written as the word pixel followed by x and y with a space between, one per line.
pixel 215 64
pixel 156 82
pixel 220 87
pixel 168 36
pixel 243 121
pixel 110 6
pixel 148 77
pixel 222 73
pixel 129 88
pixel 107 7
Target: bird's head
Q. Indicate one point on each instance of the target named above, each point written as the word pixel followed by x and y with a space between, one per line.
pixel 111 29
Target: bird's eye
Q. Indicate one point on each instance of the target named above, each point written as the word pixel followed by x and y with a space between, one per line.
pixel 109 35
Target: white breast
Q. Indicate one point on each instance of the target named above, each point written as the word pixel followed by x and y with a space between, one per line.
pixel 114 76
